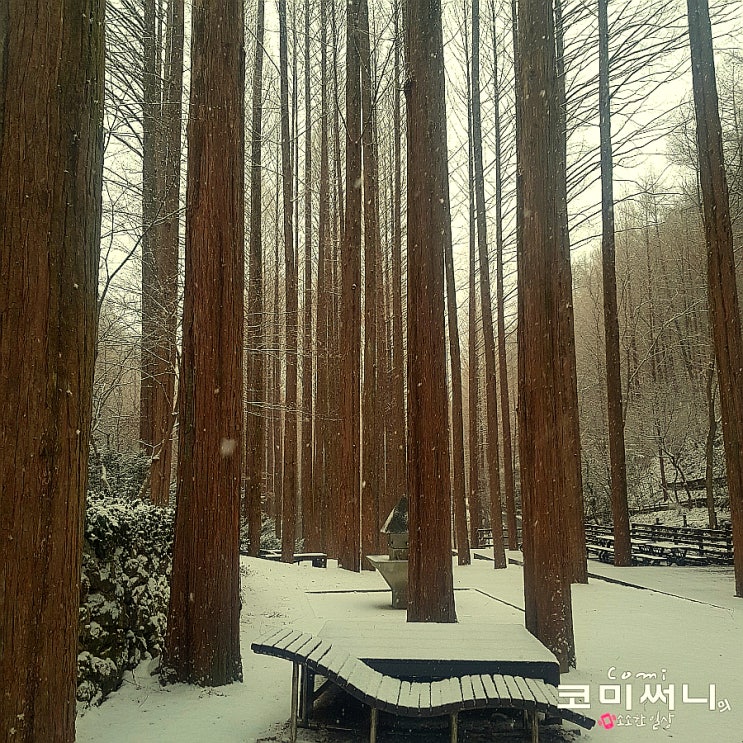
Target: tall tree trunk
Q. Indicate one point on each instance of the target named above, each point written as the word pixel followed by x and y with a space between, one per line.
pixel 457 417
pixel 350 323
pixel 384 312
pixel 397 446
pixel 473 382
pixel 491 390
pixel 289 487
pixel 518 178
pixel 653 361
pixel 430 583
pixel 277 419
pixel 372 448
pixel 255 421
pixel 294 169
pixel 308 503
pixel 50 211
pixel 620 512
pixel 335 493
pixel 167 241
pixel 547 590
pixel 203 635
pixel 710 445
pixel 572 512
pixel 505 404
pixel 151 92
pixel 318 536
pixel 723 295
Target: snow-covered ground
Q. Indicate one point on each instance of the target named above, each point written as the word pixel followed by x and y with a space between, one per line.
pixel 683 624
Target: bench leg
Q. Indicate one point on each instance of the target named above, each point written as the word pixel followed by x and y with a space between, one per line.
pixel 454 727
pixel 306 699
pixel 373 725
pixel 295 700
pixel 532 718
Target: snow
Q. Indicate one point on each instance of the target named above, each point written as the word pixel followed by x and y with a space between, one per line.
pixel 674 516
pixel 684 624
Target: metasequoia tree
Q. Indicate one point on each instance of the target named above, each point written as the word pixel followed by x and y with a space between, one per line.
pixel 505 404
pixel 276 436
pixel 723 297
pixel 486 307
pixel 162 90
pixel 151 92
pixel 457 415
pixel 350 310
pixel 289 485
pixel 457 405
pixel 306 458
pixel 396 449
pixel 572 511
pixel 430 584
pixel 166 237
pixel 144 94
pixel 547 590
pixel 255 426
pixel 50 201
pixel 473 359
pixel 203 639
pixel 709 447
pixel 317 535
pixel 334 501
pixel 620 512
pixel 372 449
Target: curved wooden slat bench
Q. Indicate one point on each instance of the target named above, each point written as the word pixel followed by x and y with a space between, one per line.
pixel 417 698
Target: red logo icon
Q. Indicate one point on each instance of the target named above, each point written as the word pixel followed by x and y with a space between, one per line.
pixel 607 721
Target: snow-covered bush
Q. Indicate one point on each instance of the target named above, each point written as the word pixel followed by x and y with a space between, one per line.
pixel 269 540
pixel 127 552
pixel 116 473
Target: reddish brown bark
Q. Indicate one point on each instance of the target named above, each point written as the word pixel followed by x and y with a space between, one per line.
pixel 518 174
pixel 473 402
pixel 723 296
pixel 461 534
pixel 384 312
pixel 397 450
pixel 572 530
pixel 505 403
pixel 50 201
pixel 491 391
pixel 277 472
pixel 619 509
pixel 710 444
pixel 430 585
pixel 457 417
pixel 321 486
pixel 332 526
pixel 167 241
pixel 307 445
pixel 151 92
pixel 291 315
pixel 255 424
pixel 350 316
pixel 547 590
pixel 373 425
pixel 203 638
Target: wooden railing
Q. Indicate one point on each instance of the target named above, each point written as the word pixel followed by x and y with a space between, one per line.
pixel 715 545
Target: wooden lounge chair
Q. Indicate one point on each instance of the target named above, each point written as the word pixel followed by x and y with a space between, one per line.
pixel 312 655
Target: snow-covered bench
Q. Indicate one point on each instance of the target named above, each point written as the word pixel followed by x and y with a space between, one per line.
pixel 318 559
pixel 418 698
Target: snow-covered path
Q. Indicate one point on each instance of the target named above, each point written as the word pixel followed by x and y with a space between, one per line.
pixel 619 631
